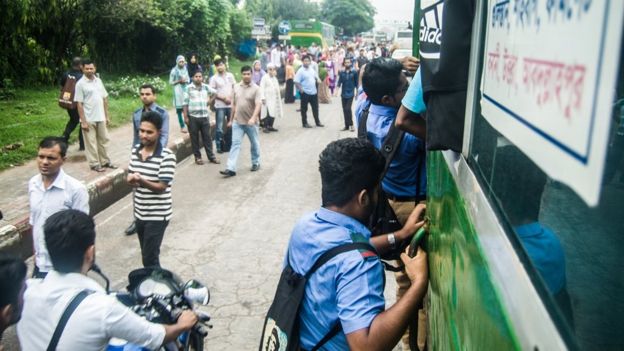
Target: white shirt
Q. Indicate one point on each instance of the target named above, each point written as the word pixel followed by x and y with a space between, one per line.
pixel 97 319
pixel 276 58
pixel 224 85
pixel 91 93
pixel 64 194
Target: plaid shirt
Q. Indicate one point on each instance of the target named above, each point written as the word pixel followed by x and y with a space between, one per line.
pixel 197 100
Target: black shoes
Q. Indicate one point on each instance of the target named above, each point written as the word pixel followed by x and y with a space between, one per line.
pixel 131 228
pixel 110 165
pixel 255 168
pixel 344 129
pixel 227 173
pixel 320 125
pixel 307 126
pixel 98 169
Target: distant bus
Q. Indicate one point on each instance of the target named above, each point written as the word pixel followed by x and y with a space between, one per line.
pixel 305 32
pixel 403 39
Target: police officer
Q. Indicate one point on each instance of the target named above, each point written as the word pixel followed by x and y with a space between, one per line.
pixel 148 98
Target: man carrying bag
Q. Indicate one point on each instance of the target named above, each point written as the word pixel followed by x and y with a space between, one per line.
pixel 66 100
pixel 330 294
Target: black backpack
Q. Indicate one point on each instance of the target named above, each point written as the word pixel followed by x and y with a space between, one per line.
pixel 281 325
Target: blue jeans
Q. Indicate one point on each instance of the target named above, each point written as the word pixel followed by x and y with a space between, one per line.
pixel 238 130
pixel 221 113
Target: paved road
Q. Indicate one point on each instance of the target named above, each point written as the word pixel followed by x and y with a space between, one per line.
pixel 232 233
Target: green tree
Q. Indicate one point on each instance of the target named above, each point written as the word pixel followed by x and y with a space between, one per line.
pixel 353 16
pixel 39 37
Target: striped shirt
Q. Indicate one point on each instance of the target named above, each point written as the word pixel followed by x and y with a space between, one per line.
pixel 197 99
pixel 160 167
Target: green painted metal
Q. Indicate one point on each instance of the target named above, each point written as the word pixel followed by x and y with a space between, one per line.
pixel 416 29
pixel 305 32
pixel 465 311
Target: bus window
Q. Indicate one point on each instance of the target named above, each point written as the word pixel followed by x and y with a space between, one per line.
pixel 574 253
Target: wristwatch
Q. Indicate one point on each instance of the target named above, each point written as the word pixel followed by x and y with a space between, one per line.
pixel 392 241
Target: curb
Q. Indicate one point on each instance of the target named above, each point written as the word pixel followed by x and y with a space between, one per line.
pixel 16 237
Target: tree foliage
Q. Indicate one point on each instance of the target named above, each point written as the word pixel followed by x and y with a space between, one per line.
pixel 353 16
pixel 39 37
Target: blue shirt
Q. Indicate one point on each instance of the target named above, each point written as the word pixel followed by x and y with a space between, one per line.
pixel 164 131
pixel 413 99
pixel 349 82
pixel 407 174
pixel 546 253
pixel 349 287
pixel 307 78
pixel 361 102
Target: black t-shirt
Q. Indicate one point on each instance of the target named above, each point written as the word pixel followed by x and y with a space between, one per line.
pixel 444 62
pixel 75 73
pixel 445 44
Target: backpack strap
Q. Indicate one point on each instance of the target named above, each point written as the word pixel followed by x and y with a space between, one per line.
pixel 333 332
pixel 362 122
pixel 391 143
pixel 69 310
pixel 331 253
pixel 328 255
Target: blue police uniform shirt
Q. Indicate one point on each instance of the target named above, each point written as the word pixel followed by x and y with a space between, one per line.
pixel 307 78
pixel 407 174
pixel 164 132
pixel 348 288
pixel 413 99
pixel 546 253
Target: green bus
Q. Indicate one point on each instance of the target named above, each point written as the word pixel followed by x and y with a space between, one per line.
pixel 305 32
pixel 488 290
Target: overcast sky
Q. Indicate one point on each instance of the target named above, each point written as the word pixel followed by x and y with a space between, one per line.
pixel 393 9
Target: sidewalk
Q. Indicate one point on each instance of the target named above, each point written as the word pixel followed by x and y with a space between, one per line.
pixel 104 188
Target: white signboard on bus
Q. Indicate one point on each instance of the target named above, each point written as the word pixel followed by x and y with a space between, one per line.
pixel 549 74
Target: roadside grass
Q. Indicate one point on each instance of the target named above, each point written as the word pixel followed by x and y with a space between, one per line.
pixel 33 113
pixel 235 67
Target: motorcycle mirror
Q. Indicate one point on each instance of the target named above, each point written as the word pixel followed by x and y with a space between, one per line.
pixel 196 292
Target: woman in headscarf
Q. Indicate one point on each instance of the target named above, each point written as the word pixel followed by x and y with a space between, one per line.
pixel 270 92
pixel 324 96
pixel 193 65
pixel 179 78
pixel 331 71
pixel 257 72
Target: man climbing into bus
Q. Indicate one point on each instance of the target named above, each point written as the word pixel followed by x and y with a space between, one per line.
pixel 405 182
pixel 345 295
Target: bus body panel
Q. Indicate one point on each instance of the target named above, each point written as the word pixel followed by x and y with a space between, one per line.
pixel 305 32
pixel 465 310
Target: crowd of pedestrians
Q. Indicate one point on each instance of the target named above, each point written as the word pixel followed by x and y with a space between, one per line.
pixel 207 99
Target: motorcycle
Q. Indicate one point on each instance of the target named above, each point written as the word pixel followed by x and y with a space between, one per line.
pixel 159 296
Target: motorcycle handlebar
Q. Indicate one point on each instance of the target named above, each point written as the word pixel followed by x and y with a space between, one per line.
pixel 200 329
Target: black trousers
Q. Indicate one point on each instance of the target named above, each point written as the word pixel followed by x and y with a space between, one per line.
pixel 289 93
pixel 346 111
pixel 74 121
pixel 150 235
pixel 200 127
pixel 313 100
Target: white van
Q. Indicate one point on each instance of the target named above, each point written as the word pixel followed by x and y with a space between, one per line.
pixel 403 39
